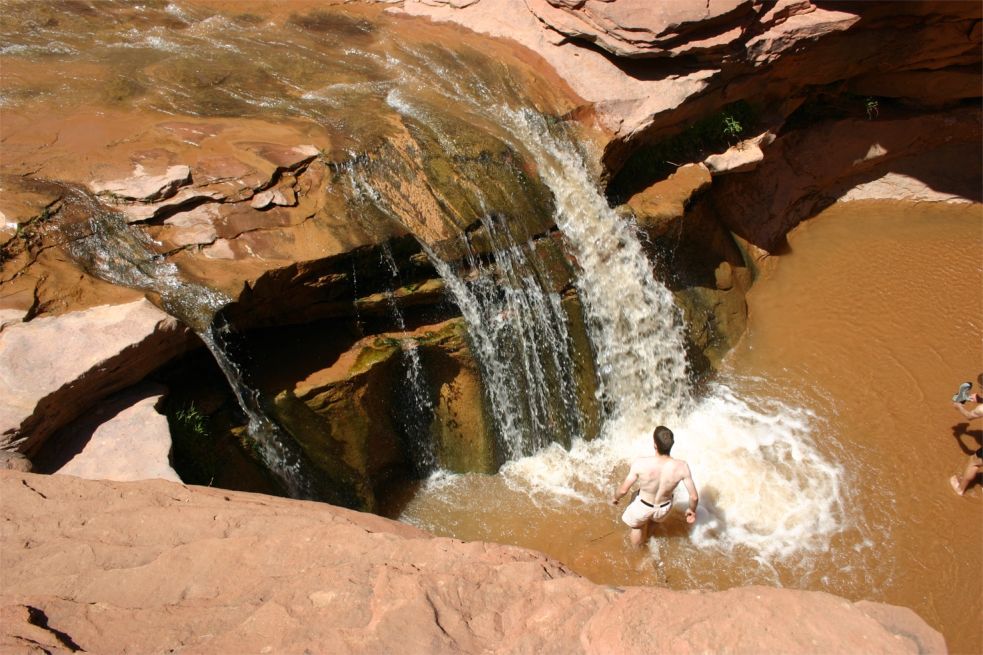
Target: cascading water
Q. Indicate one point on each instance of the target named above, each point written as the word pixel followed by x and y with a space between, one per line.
pixel 415 409
pixel 436 108
pixel 518 331
pixel 516 326
pixel 112 251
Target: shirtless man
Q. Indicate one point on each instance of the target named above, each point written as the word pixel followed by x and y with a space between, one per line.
pixel 657 478
pixel 975 464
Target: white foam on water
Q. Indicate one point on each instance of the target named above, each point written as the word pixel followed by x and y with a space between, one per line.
pixel 763 483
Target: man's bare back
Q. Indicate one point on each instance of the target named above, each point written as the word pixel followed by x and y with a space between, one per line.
pixel 657 477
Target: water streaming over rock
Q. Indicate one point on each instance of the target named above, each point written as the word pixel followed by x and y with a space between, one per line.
pixel 772 490
pixel 111 250
pixel 517 330
pixel 415 406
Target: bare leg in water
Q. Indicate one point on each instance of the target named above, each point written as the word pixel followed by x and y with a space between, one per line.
pixel 973 468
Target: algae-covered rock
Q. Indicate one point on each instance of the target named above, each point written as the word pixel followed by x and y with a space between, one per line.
pixel 586 382
pixel 351 417
pixel 462 430
pixel 327 449
pixel 426 292
pixel 341 418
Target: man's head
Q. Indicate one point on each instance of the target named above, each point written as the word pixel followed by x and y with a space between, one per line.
pixel 662 436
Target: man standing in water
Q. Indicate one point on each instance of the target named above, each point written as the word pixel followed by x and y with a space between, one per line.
pixel 657 478
pixel 975 464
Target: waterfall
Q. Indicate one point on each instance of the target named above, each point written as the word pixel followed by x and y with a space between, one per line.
pixel 516 325
pixel 111 250
pixel 415 409
pixel 635 325
pixel 773 491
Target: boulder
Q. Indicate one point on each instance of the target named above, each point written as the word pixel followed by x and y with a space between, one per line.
pixel 154 566
pixel 53 369
pixel 806 170
pixel 350 418
pixel 122 438
pixel 660 205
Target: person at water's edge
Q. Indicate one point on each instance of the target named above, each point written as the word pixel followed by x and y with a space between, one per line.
pixel 975 464
pixel 657 478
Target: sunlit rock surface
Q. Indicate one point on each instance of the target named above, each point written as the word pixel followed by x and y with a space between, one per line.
pixel 53 368
pixel 649 70
pixel 123 438
pixel 156 566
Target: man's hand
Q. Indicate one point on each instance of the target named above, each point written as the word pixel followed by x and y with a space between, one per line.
pixel 615 500
pixel 690 516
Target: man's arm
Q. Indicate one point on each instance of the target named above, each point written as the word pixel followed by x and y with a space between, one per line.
pixel 694 498
pixel 626 485
pixel 976 412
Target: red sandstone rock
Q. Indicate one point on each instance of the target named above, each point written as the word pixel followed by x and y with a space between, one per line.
pixel 853 159
pixel 155 566
pixel 665 202
pixel 123 438
pixel 760 53
pixel 741 158
pixel 54 368
pixel 639 28
pixel 146 185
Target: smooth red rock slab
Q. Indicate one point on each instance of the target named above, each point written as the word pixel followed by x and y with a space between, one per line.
pixel 146 185
pixel 123 438
pixel 155 566
pixel 53 368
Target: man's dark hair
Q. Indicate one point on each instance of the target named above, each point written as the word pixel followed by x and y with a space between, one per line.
pixel 662 436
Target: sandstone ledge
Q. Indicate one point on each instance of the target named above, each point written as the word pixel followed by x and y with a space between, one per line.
pixel 154 566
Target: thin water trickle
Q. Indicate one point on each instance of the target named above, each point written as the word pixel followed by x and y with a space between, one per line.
pixel 113 251
pixel 415 411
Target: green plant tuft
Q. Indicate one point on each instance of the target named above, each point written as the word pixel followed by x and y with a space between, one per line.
pixel 871 105
pixel 700 138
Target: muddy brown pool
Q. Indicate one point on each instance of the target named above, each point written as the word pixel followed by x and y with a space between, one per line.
pixel 823 455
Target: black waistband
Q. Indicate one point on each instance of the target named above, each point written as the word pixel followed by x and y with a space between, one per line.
pixel 648 504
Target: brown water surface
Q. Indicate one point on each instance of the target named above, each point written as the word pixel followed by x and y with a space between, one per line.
pixel 876 317
pixel 858 339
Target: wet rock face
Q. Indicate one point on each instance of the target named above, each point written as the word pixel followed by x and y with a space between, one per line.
pixel 205 570
pixel 372 419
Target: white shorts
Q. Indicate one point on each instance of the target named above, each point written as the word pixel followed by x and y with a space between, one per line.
pixel 639 512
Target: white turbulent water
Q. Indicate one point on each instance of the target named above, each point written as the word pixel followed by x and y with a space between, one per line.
pixel 762 481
